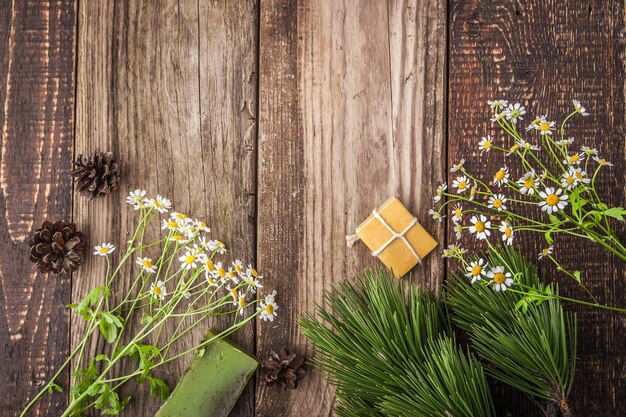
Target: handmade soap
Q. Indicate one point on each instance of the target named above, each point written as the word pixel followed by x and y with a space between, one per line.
pixel 212 384
pixel 393 235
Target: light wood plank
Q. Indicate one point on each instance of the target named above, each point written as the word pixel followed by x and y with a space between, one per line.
pixel 170 89
pixel 349 115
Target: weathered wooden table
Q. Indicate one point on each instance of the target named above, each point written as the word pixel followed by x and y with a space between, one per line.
pixel 284 123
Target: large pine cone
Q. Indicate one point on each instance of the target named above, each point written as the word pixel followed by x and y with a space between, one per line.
pixel 97 175
pixel 57 247
pixel 284 369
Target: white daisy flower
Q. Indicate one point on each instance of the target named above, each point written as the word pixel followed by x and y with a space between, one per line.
pixel 527 145
pixel 461 183
pixel 436 215
pixel 500 279
pixel 581 176
pixel 169 224
pixel 268 307
pixel 497 202
pixel 507 233
pixel 527 183
pixel 565 142
pixel 231 274
pixel 589 151
pixel 476 270
pixel 602 162
pixel 104 249
pixel 210 271
pixel 502 176
pixel 497 103
pixel 569 179
pixel 547 251
pixel 179 217
pixel 158 290
pixel 146 264
pixel 553 201
pixel 457 213
pixel 135 198
pixel 473 191
pixel 441 188
pixel 179 239
pixel 161 204
pixel 480 227
pixel 574 159
pixel 485 143
pixel 458 166
pixel 453 251
pixel 546 127
pixel 217 246
pixel 201 226
pixel 496 117
pixel 458 229
pixel 514 112
pixel 579 109
pixel 233 293
pixel 241 302
pixel 188 261
pixel 238 265
pixel 536 122
pixel 220 272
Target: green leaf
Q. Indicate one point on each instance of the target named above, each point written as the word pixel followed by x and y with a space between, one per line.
pixel 548 236
pixel 616 213
pixel 54 387
pixel 109 325
pixel 158 388
pixel 83 307
pixel 576 276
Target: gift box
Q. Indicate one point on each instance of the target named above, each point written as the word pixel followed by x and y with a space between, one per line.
pixel 394 236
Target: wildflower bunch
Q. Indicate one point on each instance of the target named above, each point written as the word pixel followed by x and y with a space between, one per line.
pixel 180 281
pixel 547 186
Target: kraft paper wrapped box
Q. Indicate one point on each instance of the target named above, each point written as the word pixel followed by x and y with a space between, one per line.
pixel 393 235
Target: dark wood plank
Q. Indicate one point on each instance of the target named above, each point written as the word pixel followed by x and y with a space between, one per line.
pixel 36 119
pixel 349 115
pixel 171 89
pixel 546 53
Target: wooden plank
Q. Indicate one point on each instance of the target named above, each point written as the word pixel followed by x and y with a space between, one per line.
pixel 546 53
pixel 171 89
pixel 36 119
pixel 349 114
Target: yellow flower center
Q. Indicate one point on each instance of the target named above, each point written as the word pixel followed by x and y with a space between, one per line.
pixel 156 290
pixel 190 259
pixel 487 144
pixel 462 185
pixel 172 223
pixel 545 126
pixel 156 204
pixel 529 183
pixel 500 175
pixel 146 263
pixel 181 216
pixel 104 250
pixel 497 203
pixel 552 200
pixel 570 180
pixel 201 225
pixel 508 232
pixel 574 158
pixel 242 302
pixel 476 270
pixel 221 272
pixel 499 278
pixel 269 309
pixel 233 292
pixel 514 147
pixel 578 175
pixel 602 161
pixel 480 226
pixel 238 269
pixel 177 237
pixel 458 212
pixel 254 272
pixel 209 265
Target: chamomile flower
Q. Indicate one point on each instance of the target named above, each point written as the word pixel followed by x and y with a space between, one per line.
pixel 453 251
pixel 553 201
pixel 217 246
pixel 436 215
pixel 507 233
pixel 201 226
pixel 497 201
pixel 169 224
pixel 178 238
pixel 458 229
pixel 497 103
pixel 546 127
pixel 188 261
pixel 527 145
pixel 104 249
pixel 580 175
pixel 210 271
pixel 496 117
pixel 500 279
pixel 231 274
pixel 514 112
pixel 161 204
pixel 589 151
pixel 485 143
pixel 458 166
pixel 476 270
pixel 461 183
pixel 233 293
pixel 569 179
pixel 565 142
pixel 574 159
pixel 158 290
pixel 480 227
pixel 241 302
pixel 579 109
pixel 473 191
pixel 502 176
pixel 457 213
pixel 238 265
pixel 146 264
pixel 603 162
pixel 136 198
pixel 546 252
pixel 179 217
pixel 534 124
pixel 512 149
pixel 268 307
pixel 527 183
pixel 441 188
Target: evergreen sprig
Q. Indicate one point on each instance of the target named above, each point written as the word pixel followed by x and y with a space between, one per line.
pixel 531 342
pixel 389 352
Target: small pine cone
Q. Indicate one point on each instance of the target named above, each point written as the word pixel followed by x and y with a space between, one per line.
pixel 97 175
pixel 283 369
pixel 57 247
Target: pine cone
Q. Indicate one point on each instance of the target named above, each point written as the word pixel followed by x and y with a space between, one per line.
pixel 97 175
pixel 283 369
pixel 57 247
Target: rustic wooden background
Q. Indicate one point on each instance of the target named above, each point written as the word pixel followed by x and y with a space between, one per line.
pixel 284 123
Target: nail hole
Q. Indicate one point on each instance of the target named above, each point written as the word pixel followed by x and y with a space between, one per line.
pixel 518 12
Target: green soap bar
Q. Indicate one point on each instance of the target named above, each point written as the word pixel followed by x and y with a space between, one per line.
pixel 212 384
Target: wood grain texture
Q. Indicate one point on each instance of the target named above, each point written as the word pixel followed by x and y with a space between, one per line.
pixel 171 90
pixel 349 115
pixel 36 119
pixel 546 53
